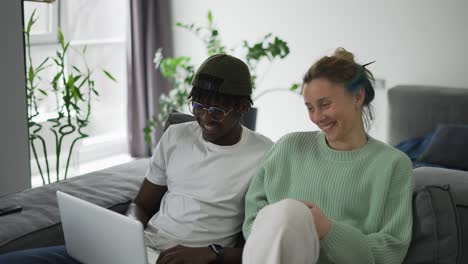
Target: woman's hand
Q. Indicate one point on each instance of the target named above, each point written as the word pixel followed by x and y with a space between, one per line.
pixel 184 255
pixel 322 223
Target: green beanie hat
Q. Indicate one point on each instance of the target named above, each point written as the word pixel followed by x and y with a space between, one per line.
pixel 224 74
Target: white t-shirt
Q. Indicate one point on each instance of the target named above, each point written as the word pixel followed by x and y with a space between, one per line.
pixel 206 184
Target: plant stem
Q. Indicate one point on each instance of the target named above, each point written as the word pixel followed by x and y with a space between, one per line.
pixel 69 155
pixel 37 161
pixel 57 153
pixel 46 157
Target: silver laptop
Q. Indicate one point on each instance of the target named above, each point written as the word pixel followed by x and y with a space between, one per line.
pixel 95 235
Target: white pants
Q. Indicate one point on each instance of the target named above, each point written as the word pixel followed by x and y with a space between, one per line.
pixel 283 232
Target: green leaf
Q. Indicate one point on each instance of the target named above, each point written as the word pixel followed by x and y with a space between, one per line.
pixel 69 85
pixel 76 78
pixel 61 38
pixel 186 26
pixel 42 92
pixel 295 87
pixel 147 131
pixel 39 68
pixel 170 65
pixel 83 81
pixel 31 22
pixel 75 106
pixel 79 94
pixel 210 17
pixel 57 62
pixel 66 47
pixel 56 77
pixel 76 69
pixel 30 73
pixel 109 75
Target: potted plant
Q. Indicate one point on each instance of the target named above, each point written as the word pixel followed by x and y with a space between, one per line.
pixel 180 70
pixel 73 91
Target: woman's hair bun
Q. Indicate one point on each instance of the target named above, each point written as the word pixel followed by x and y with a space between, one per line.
pixel 341 53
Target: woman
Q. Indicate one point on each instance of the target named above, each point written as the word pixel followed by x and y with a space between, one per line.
pixel 334 196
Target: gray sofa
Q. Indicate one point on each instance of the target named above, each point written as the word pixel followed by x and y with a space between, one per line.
pixel 38 224
pixel 414 110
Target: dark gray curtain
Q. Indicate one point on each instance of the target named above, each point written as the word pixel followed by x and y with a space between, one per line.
pixel 150 29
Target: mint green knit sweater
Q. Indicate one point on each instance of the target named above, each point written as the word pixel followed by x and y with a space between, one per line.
pixel 366 193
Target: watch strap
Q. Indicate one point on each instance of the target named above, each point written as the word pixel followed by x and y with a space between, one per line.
pixel 219 251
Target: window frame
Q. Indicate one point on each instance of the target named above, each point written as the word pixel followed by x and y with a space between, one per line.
pixel 51 36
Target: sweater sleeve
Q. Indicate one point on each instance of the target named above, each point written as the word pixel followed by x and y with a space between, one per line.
pixel 255 200
pixel 346 244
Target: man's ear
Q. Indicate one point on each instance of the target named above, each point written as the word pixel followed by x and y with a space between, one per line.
pixel 244 106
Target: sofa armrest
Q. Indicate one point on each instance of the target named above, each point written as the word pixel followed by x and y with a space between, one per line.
pixel 38 224
pixel 458 181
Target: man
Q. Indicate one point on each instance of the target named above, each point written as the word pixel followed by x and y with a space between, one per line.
pixel 192 198
pixel 200 171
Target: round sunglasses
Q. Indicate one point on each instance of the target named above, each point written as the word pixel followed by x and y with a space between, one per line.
pixel 216 113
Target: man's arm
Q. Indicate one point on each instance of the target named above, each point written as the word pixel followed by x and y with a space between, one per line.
pixel 233 255
pixel 202 255
pixel 199 255
pixel 147 201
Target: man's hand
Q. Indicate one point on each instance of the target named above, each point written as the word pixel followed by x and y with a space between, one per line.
pixel 322 223
pixel 184 255
pixel 147 202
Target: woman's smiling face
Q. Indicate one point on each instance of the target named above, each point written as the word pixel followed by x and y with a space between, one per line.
pixel 334 110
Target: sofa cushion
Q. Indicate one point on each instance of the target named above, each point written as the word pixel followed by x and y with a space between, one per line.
pixel 448 147
pixel 458 181
pixel 414 147
pixel 436 230
pixel 38 224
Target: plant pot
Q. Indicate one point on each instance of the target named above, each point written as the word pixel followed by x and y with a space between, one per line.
pixel 249 119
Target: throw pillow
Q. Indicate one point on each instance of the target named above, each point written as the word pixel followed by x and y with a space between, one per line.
pixel 414 147
pixel 448 147
pixel 436 229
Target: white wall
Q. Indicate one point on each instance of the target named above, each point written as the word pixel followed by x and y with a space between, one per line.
pixel 413 42
pixel 14 160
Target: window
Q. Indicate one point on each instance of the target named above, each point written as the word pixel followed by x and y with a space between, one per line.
pixel 101 27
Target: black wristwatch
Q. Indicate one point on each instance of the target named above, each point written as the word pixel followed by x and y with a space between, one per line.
pixel 219 251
